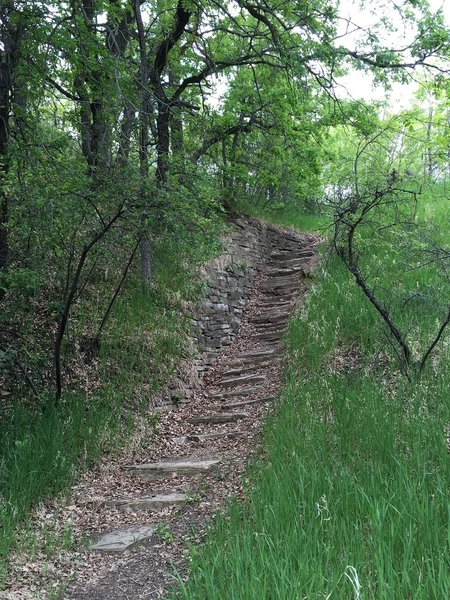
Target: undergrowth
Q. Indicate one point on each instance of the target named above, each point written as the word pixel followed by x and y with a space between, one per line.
pixel 350 501
pixel 44 446
pixel 286 216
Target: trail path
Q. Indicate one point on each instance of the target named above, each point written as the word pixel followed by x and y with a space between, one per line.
pixel 200 450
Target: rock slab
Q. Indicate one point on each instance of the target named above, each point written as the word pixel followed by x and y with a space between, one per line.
pixel 218 418
pixel 156 502
pixel 177 467
pixel 215 436
pixel 244 380
pixel 231 405
pixel 121 540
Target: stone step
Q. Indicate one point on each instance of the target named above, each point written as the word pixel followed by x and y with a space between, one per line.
pixel 179 440
pixel 271 317
pixel 241 381
pixel 217 418
pixel 284 277
pixel 233 393
pixel 255 354
pixel 121 540
pixel 282 324
pixel 173 467
pixel 215 436
pixel 288 308
pixel 274 304
pixel 283 243
pixel 264 321
pixel 287 294
pixel 289 263
pixel 284 272
pixel 241 369
pixel 278 291
pixel 246 366
pixel 271 336
pixel 261 327
pixel 269 293
pixel 284 283
pixel 269 326
pixel 231 405
pixel 157 502
pixel 291 254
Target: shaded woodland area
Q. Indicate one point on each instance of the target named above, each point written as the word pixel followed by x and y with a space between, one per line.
pixel 131 130
pixel 113 138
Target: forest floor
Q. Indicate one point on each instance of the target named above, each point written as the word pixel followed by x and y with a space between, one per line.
pixel 166 506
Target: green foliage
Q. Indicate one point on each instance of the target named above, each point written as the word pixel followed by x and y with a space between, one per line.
pixel 380 199
pixel 20 281
pixel 350 498
pixel 139 350
pixel 350 485
pixel 277 162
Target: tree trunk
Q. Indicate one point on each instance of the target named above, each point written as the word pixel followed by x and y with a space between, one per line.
pixel 176 125
pixel 95 131
pixel 176 133
pixel 429 151
pixel 93 82
pixel 4 244
pixel 4 142
pixel 73 289
pixel 85 117
pixel 144 110
pixel 152 74
pixel 129 115
pixel 448 151
pixel 100 138
pixel 163 141
pixel 11 36
pixel 146 260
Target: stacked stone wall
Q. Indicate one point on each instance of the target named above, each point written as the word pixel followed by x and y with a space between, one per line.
pixel 229 280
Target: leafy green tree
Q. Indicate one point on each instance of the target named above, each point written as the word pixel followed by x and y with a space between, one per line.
pixel 381 200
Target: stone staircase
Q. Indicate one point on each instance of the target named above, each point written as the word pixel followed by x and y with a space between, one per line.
pixel 235 394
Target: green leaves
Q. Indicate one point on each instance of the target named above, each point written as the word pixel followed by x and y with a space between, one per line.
pixel 433 36
pixel 21 281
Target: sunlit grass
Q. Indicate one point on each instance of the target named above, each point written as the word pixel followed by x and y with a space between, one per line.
pixel 291 216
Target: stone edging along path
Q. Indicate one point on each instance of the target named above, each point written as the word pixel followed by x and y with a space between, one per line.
pixel 139 515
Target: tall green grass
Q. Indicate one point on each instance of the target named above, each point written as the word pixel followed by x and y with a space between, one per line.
pixel 351 499
pixel 289 216
pixel 41 454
